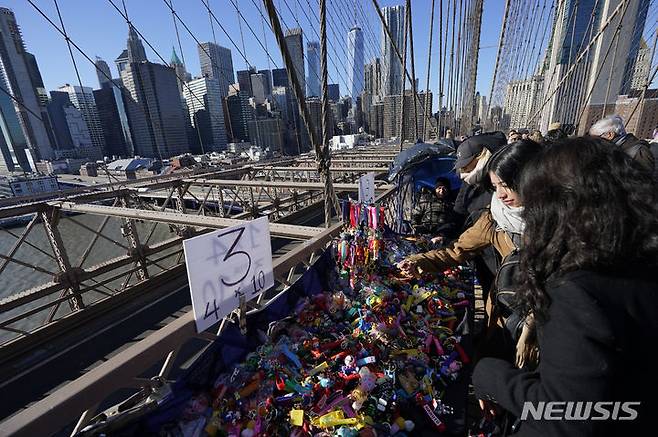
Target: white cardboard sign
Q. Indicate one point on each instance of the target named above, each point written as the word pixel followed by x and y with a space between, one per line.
pixel 225 264
pixel 367 188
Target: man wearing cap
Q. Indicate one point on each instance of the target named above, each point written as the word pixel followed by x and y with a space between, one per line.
pixel 472 157
pixel 473 199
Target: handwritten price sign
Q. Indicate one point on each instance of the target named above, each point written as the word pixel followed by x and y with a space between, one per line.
pixel 224 266
pixel 367 188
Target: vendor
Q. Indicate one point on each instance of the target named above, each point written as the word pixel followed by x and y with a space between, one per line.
pixel 433 213
pixel 588 274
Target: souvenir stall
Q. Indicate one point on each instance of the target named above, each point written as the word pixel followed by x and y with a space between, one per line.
pixel 353 348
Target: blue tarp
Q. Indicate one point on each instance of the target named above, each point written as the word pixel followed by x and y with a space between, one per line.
pixel 426 173
pixel 416 155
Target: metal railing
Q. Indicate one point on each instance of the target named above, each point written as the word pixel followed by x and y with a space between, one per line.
pixel 80 399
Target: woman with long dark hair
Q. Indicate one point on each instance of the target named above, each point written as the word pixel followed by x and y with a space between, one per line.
pixel 588 267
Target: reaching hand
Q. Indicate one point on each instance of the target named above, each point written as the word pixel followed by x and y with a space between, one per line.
pixel 409 267
pixel 437 240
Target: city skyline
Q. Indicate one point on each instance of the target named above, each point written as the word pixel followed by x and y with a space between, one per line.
pixel 163 122
pixel 156 25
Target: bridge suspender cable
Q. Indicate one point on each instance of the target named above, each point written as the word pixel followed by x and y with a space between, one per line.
pixel 404 77
pixel 648 82
pixel 323 167
pixel 414 88
pixel 600 70
pixel 182 54
pixel 579 58
pixel 324 157
pixel 390 37
pixel 501 39
pixel 427 83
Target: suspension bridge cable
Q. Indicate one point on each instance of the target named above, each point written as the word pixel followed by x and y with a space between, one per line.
pixel 387 30
pixel 442 65
pixel 429 67
pixel 323 159
pixel 414 88
pixel 599 70
pixel 404 77
pixel 323 167
pixel 450 65
pixel 212 26
pixel 579 58
pixel 82 103
pixel 180 48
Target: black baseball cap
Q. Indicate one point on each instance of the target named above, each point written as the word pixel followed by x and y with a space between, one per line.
pixel 472 147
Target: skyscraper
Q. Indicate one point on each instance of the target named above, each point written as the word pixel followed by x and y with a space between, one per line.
pixel 12 140
pixel 279 77
pixel 268 80
pixel 114 121
pixel 355 62
pixel 244 80
pixel 73 137
pixel 20 79
pixel 522 99
pixel 239 115
pixel 217 63
pixel 584 87
pixel 391 66
pixel 391 115
pixel 155 110
pixel 333 89
pixel 635 40
pixel 103 72
pixel 182 76
pixel 313 63
pixel 295 45
pixel 136 52
pixel 122 61
pixel 204 103
pixel 83 100
pixel 372 79
pixel 259 87
pixel 642 67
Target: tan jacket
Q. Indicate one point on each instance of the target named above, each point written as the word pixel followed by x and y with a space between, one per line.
pixel 476 238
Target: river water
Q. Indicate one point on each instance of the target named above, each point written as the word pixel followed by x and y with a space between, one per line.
pixel 16 278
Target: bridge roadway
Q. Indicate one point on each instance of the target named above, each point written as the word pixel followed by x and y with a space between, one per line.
pixel 40 372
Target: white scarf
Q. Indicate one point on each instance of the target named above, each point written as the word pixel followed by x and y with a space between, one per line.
pixel 475 176
pixel 506 217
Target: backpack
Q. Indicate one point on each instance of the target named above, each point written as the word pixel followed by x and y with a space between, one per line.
pixel 504 293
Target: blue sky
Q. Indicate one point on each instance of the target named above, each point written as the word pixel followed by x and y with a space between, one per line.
pixel 100 31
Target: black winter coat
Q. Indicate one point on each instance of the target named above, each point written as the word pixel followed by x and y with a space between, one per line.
pixel 599 344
